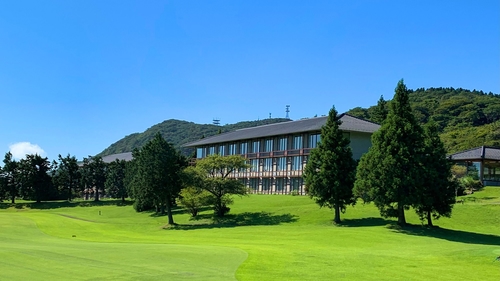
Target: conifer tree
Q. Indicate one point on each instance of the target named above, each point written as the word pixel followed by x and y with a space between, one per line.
pixel 10 177
pixel 437 194
pixel 390 172
pixel 380 111
pixel 157 175
pixel 330 171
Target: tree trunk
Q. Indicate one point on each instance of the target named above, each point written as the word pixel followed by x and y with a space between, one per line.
pixel 69 193
pixel 169 212
pixel 13 199
pixel 401 215
pixel 123 198
pixel 337 214
pixel 429 219
pixel 96 195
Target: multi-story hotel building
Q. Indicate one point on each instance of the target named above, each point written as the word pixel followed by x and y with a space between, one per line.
pixel 277 153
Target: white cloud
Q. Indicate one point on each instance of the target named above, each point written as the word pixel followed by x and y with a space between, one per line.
pixel 20 149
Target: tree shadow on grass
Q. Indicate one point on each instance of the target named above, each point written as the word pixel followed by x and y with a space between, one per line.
pixel 448 234
pixel 63 204
pixel 243 219
pixel 177 210
pixel 365 222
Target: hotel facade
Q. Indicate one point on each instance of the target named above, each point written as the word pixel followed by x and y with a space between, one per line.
pixel 277 153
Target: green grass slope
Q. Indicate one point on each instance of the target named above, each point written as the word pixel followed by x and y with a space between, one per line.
pixel 266 237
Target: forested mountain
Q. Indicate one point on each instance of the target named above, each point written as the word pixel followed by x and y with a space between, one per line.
pixel 466 118
pixel 180 132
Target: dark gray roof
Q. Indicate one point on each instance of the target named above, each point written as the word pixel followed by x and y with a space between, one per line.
pixel 349 123
pixel 127 156
pixel 478 153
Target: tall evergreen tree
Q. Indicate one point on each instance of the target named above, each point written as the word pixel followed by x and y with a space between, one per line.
pixel 390 172
pixel 36 180
pixel 157 175
pixel 437 195
pixel 330 171
pixel 93 176
pixel 11 177
pixel 67 175
pixel 380 111
pixel 115 179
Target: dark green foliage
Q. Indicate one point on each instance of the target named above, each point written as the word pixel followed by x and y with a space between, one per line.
pixel 179 132
pixel 437 195
pixel 156 176
pixel 330 170
pixel 66 175
pixel 93 176
pixel 36 182
pixel 391 171
pixel 379 112
pixel 465 118
pixel 115 180
pixel 10 180
pixel 212 174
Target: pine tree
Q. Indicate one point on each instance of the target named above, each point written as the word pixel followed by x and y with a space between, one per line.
pixel 390 172
pixel 437 194
pixel 157 175
pixel 380 111
pixel 330 171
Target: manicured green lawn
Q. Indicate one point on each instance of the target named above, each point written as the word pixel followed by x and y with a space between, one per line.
pixel 265 237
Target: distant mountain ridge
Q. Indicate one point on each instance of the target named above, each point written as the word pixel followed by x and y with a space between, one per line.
pixel 466 118
pixel 179 132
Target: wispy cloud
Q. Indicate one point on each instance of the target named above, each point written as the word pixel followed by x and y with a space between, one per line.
pixel 20 149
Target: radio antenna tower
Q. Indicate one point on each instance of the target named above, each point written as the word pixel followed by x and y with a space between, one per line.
pixel 287 111
pixel 216 121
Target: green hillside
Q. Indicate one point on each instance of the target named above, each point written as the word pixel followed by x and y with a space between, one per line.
pixel 180 132
pixel 466 118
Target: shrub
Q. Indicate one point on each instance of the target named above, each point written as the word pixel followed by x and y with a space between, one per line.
pixel 193 199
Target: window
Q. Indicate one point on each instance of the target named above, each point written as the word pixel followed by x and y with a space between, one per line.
pixel 281 164
pixel 222 150
pixel 199 152
pixel 254 163
pixel 268 145
pixel 313 140
pixel 296 184
pixel 254 184
pixel 296 163
pixel 255 146
pixel 268 164
pixel 297 142
pixel 211 150
pixel 232 149
pixel 282 144
pixel 266 184
pixel 243 148
pixel 280 184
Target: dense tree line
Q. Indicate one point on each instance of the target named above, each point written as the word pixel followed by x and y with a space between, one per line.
pixel 35 178
pixel 405 167
pixel 456 112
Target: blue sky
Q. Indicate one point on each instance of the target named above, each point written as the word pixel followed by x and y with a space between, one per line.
pixel 76 76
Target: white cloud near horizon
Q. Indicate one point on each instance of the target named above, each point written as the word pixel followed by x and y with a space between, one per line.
pixel 20 149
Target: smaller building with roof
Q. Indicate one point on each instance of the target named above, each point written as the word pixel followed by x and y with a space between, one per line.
pixel 486 159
